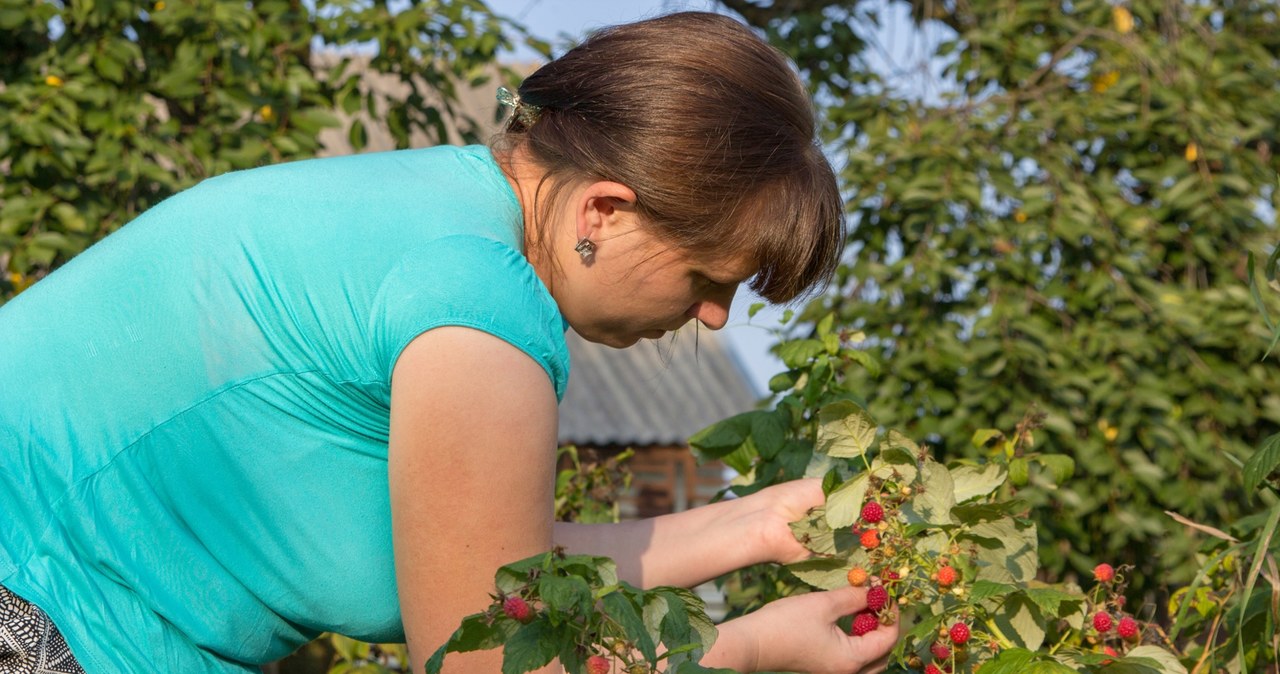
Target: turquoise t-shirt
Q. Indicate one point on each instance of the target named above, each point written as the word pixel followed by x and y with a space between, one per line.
pixel 194 412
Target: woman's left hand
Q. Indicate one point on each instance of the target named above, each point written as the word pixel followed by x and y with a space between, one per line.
pixel 782 504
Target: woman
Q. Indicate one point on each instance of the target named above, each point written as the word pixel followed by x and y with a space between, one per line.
pixel 326 399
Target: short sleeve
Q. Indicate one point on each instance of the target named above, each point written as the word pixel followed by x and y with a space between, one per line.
pixel 473 282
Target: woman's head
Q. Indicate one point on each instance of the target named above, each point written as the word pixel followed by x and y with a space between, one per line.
pixel 709 127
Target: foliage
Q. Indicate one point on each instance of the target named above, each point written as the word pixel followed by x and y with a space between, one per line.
pixel 581 609
pixel 588 487
pixel 109 106
pixel 1063 219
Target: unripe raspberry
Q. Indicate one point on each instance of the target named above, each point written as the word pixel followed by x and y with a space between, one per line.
pixel 932 669
pixel 1109 651
pixel 1102 622
pixel 947 576
pixel 1128 629
pixel 877 597
pixel 872 512
pixel 959 633
pixel 940 650
pixel 870 539
pixel 517 609
pixel 597 664
pixel 864 622
pixel 1103 573
pixel 857 576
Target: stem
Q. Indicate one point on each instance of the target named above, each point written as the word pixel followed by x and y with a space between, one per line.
pixel 995 632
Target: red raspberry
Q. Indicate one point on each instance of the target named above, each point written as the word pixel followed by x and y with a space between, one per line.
pixel 1109 651
pixel 517 609
pixel 857 576
pixel 877 597
pixel 1102 622
pixel 959 633
pixel 597 664
pixel 1103 573
pixel 947 576
pixel 940 650
pixel 891 575
pixel 872 512
pixel 864 622
pixel 1128 629
pixel 870 539
pixel 932 669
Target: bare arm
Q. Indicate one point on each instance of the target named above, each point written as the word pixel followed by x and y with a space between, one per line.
pixel 471 470
pixel 692 547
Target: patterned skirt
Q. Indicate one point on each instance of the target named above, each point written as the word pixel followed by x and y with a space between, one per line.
pixel 29 643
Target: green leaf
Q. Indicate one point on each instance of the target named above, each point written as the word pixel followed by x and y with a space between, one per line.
pixel 569 595
pixel 844 505
pixel 1053 601
pixel 532 646
pixel 822 573
pixel 1156 659
pixel 619 607
pixel 1061 466
pixel 1020 619
pixel 1006 551
pixel 984 436
pixel 769 432
pixel 972 513
pixel 797 353
pixel 986 589
pixel 1263 462
pixel 845 430
pixel 1018 472
pixel 1008 661
pixel 974 481
pixel 933 506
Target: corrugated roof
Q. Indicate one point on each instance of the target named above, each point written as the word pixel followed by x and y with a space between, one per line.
pixel 652 393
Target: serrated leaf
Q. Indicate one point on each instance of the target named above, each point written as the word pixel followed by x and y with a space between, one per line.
pixel 769 431
pixel 1263 462
pixel 620 607
pixel 1165 662
pixel 844 505
pixel 1020 619
pixel 655 609
pixel 986 589
pixel 532 646
pixel 822 573
pixel 934 504
pixel 1008 661
pixel 1052 601
pixel 894 439
pixel 972 513
pixel 1006 551
pixel 566 594
pixel 845 430
pixel 974 481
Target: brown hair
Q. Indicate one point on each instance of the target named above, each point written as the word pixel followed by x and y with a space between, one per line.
pixel 709 126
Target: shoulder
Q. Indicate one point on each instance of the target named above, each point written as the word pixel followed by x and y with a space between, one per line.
pixel 474 282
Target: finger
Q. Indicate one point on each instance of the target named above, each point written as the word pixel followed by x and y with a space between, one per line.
pixel 844 601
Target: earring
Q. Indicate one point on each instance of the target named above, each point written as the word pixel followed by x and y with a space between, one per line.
pixel 585 248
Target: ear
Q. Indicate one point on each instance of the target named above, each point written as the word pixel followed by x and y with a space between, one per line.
pixel 604 206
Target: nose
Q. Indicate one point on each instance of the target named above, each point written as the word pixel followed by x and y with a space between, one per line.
pixel 714 312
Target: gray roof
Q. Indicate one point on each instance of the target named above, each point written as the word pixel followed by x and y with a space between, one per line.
pixel 652 393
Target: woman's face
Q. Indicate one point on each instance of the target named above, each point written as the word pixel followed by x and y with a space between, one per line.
pixel 639 287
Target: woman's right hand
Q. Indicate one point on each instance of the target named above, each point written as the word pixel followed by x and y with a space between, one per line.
pixel 799 634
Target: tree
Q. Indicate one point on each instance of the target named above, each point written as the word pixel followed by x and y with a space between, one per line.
pixel 1065 226
pixel 109 106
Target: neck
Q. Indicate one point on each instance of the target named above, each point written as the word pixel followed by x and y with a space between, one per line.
pixel 527 180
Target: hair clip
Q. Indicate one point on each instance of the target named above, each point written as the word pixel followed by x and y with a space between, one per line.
pixel 525 113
